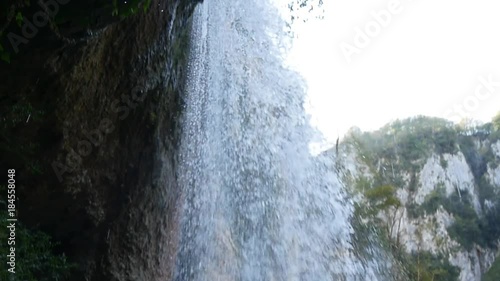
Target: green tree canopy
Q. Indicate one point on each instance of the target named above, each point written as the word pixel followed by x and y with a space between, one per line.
pixel 382 197
pixel 496 121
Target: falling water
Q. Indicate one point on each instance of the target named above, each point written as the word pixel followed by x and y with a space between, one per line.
pixel 257 204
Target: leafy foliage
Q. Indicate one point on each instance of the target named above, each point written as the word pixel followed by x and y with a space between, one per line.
pixel 496 121
pixel 382 197
pixel 22 149
pixel 423 266
pixel 36 259
pixel 468 229
pixel 4 55
pixel 489 225
pixel 465 231
pixel 493 274
pixel 399 150
pixel 433 201
pixel 406 144
pixel 127 8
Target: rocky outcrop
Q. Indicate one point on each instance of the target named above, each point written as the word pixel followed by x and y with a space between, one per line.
pixel 449 173
pixel 95 151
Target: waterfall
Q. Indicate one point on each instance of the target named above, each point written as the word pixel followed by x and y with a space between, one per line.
pixel 256 204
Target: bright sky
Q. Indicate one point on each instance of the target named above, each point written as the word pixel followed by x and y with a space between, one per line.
pixel 427 59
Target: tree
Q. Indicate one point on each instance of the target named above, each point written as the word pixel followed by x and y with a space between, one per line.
pixel 427 267
pixel 384 199
pixel 496 121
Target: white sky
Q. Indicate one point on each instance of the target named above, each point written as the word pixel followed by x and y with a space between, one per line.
pixel 426 60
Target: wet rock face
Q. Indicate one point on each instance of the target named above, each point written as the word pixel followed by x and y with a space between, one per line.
pixel 105 141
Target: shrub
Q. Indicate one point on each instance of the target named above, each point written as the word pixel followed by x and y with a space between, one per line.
pixel 493 274
pixel 466 232
pixel 423 266
pixel 36 259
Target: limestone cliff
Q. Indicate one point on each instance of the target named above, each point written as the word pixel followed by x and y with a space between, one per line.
pixel 446 185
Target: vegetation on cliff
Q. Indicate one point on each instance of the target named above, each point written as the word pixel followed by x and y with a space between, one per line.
pixel 37 256
pixel 395 155
pixel 416 266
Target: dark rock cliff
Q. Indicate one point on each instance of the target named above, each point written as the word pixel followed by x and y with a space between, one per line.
pixel 89 122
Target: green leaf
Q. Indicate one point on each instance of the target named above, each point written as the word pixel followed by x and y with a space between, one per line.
pixel 5 57
pixel 146 5
pixel 19 19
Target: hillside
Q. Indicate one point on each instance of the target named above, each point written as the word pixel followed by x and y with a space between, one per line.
pixel 432 191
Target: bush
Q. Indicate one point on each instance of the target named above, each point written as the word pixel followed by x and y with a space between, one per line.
pixel 423 266
pixel 466 232
pixel 490 226
pixel 382 198
pixel 35 256
pixel 430 205
pixel 406 144
pixel 493 274
pixel 433 200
